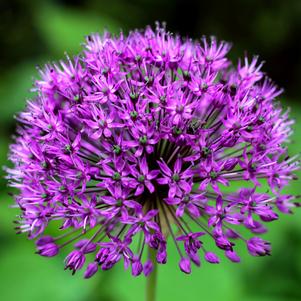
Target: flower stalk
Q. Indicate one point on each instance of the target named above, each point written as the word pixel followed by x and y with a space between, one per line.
pixel 151 280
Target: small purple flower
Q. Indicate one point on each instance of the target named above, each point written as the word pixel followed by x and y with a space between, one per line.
pixel 178 180
pixel 283 203
pixel 211 257
pixel 143 177
pixel 137 267
pixel 116 175
pixel 117 249
pixel 256 204
pixel 190 202
pixel 157 241
pixel 191 242
pixel 140 142
pixel 258 247
pixel 75 261
pixel 48 249
pixel 219 215
pixel 144 137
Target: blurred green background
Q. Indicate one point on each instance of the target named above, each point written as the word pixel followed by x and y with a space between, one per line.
pixel 35 32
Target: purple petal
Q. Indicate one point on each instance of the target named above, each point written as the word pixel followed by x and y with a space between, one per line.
pixel 164 168
pixel 149 186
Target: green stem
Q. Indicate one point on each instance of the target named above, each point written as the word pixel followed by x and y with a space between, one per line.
pixel 151 280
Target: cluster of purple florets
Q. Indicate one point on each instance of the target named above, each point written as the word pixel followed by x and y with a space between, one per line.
pixel 149 137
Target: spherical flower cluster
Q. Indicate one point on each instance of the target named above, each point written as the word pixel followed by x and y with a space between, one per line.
pixel 149 137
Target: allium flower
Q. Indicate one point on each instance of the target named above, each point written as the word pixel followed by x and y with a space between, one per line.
pixel 143 139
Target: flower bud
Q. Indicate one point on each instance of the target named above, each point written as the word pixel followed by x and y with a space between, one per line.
pixel 211 257
pixel 258 247
pixel 92 268
pixel 232 255
pixel 48 250
pixel 148 267
pixel 75 260
pixel 185 265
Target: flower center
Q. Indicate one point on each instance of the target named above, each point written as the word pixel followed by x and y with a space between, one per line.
pixel 143 139
pixel 141 178
pixel 134 114
pixel 117 149
pixel 176 177
pixel 116 176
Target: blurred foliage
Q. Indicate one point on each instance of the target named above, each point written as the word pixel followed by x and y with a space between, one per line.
pixel 35 32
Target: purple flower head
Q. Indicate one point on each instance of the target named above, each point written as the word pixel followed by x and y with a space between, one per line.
pixel 191 244
pixel 137 267
pixel 130 146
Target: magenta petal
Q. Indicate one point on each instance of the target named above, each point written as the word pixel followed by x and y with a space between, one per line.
pixel 165 168
pixel 163 181
pixel 149 186
pixel 185 186
pixel 139 190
